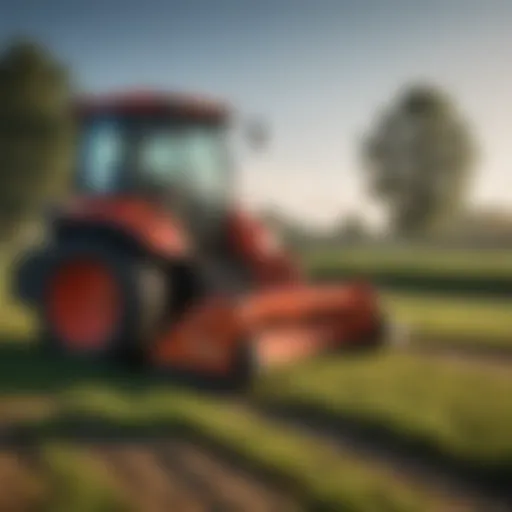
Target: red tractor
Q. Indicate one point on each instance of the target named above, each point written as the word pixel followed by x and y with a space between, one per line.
pixel 152 261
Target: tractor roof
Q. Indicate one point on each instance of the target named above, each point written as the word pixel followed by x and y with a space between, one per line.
pixel 153 103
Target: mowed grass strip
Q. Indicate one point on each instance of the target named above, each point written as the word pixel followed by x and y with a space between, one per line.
pixel 456 318
pixel 76 483
pixel 57 477
pixel 315 476
pixel 464 321
pixel 103 400
pixel 460 413
pixel 428 262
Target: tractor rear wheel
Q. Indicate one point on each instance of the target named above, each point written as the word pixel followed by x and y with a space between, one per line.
pixel 100 301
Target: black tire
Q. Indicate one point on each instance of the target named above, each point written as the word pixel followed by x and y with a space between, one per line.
pixel 144 290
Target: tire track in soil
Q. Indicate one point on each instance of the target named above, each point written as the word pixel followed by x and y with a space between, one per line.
pixel 177 475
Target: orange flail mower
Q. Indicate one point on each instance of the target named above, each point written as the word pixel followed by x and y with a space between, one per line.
pixel 150 260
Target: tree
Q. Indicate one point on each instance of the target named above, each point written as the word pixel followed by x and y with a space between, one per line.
pixel 36 133
pixel 419 157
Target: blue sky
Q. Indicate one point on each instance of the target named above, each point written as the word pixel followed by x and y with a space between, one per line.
pixel 317 70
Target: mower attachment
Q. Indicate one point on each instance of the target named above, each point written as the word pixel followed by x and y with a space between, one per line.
pixel 276 326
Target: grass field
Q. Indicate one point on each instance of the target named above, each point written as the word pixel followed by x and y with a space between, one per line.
pixel 432 262
pixel 461 318
pixel 295 462
pixel 126 404
pixel 455 320
pixel 466 273
pixel 72 481
pixel 461 412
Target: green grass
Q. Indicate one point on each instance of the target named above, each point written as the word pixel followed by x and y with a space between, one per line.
pixel 76 484
pixel 15 319
pixel 460 412
pixel 464 321
pixel 119 403
pixel 65 479
pixel 436 262
pixel 319 479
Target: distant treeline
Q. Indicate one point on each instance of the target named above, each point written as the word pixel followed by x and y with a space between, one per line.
pixel 479 229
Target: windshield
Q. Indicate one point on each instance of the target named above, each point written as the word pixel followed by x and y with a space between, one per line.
pixel 118 156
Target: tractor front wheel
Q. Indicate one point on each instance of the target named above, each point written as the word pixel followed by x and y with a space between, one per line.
pixel 100 301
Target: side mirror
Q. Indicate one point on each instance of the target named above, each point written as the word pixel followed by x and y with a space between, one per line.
pixel 257 135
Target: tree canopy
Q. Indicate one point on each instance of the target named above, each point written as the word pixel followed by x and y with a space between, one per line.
pixel 36 132
pixel 418 158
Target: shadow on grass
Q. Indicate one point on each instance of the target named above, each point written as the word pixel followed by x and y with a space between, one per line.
pixel 26 372
pixel 24 368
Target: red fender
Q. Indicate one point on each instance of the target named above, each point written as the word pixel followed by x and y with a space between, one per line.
pixel 150 225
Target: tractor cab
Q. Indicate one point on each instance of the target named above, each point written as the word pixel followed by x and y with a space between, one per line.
pixel 167 149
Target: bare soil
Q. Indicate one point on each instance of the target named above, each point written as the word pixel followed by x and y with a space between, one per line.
pixel 22 487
